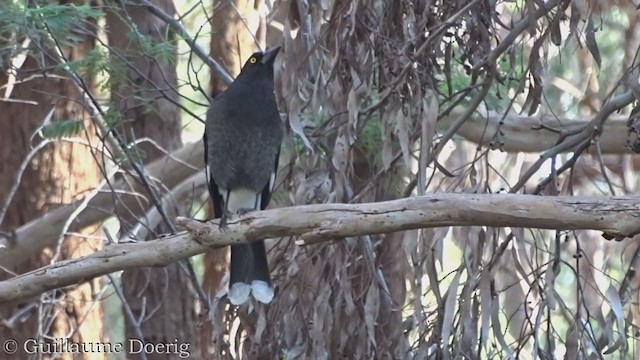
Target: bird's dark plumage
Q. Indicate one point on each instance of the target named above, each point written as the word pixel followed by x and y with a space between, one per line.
pixel 242 141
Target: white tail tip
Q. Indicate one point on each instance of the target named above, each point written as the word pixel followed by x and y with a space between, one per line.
pixel 239 293
pixel 262 291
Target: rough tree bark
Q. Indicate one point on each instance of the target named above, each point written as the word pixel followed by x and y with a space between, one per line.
pixel 146 97
pixel 60 173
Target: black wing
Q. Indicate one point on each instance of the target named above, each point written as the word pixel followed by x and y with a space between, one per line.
pixel 216 198
pixel 266 192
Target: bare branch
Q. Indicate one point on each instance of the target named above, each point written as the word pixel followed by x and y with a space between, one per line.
pixel 184 34
pixel 536 133
pixel 177 167
pixel 615 216
pixel 582 140
pixel 43 232
pixel 128 312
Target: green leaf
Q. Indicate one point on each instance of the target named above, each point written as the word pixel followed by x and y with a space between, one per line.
pixel 113 118
pixel 133 154
pixel 62 129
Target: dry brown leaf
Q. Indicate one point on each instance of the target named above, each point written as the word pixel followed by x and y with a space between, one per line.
pixel 450 307
pixel 293 102
pixel 371 311
pixel 402 124
pixel 387 129
pixel 430 111
pixel 341 162
pixel 590 40
pixel 318 327
pixel 617 309
pixel 486 303
pixel 572 343
pixel 352 108
pixel 261 324
pixel 497 331
pixel 319 95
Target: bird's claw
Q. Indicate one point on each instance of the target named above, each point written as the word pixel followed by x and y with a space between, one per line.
pixel 244 211
pixel 223 221
pixel 227 215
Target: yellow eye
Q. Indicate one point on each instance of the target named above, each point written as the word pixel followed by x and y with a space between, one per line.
pixel 253 60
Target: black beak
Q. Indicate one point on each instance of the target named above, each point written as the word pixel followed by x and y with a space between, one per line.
pixel 270 55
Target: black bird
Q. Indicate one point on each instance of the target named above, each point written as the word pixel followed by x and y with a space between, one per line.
pixel 242 141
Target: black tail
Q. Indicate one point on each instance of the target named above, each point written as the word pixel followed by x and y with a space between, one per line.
pixel 250 273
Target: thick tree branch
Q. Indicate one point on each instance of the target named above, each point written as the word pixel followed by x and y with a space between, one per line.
pixel 536 133
pixel 32 237
pixel 517 135
pixel 618 217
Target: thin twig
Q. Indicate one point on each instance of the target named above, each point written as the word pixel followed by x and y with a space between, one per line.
pixel 135 322
pixel 184 34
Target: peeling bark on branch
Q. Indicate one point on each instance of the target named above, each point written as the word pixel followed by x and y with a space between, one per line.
pixel 615 216
pixel 536 133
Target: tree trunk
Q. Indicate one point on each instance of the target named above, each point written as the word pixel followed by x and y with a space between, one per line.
pixel 61 172
pixel 146 97
pixel 234 26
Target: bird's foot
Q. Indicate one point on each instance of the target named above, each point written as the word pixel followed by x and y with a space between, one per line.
pixel 244 211
pixel 223 221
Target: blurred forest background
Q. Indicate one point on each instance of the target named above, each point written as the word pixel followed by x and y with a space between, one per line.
pixel 102 105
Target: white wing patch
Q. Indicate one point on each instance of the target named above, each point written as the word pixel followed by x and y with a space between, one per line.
pixel 242 198
pixel 272 181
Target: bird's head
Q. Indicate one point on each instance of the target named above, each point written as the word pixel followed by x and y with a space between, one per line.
pixel 259 66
